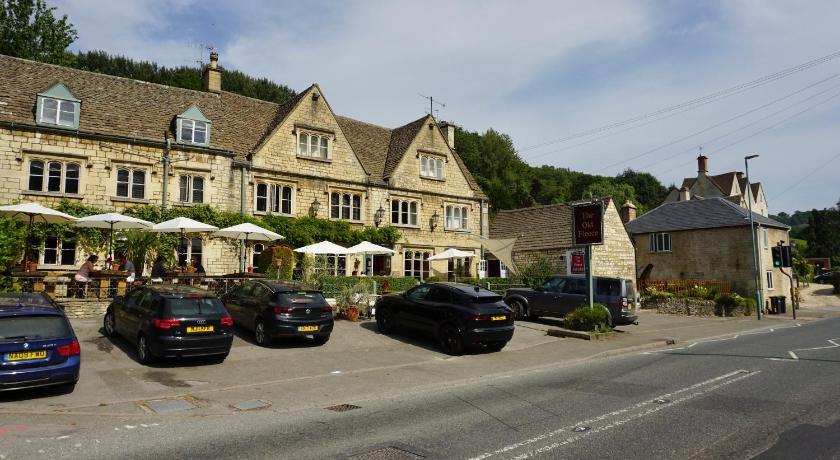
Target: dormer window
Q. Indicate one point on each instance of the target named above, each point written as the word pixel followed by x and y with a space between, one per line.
pixel 193 127
pixel 58 107
pixel 431 167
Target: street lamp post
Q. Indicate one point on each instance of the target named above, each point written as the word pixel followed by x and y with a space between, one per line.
pixel 757 273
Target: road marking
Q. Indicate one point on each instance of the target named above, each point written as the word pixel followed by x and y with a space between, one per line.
pixel 723 339
pixel 833 343
pixel 630 418
pixel 740 373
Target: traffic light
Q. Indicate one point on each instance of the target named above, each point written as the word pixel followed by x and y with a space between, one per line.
pixel 786 257
pixel 777 256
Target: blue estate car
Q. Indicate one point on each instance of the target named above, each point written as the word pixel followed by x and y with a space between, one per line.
pixel 37 344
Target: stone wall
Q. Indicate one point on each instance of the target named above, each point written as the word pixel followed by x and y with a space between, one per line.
pixel 680 306
pixel 75 308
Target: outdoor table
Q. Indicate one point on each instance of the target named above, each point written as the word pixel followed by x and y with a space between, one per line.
pixel 186 277
pixel 106 277
pixel 36 278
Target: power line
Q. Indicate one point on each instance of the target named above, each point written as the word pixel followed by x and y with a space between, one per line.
pixel 806 176
pixel 695 102
pixel 716 125
pixel 755 122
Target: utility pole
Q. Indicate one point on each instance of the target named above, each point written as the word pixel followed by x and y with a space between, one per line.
pixel 756 272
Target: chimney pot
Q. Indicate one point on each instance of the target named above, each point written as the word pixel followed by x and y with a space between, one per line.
pixel 448 130
pixel 628 211
pixel 702 164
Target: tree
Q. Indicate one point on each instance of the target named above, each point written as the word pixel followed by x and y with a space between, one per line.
pixel 823 232
pixel 30 30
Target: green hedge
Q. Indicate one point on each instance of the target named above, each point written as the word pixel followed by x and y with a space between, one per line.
pixel 332 285
pixel 585 318
pixel 497 285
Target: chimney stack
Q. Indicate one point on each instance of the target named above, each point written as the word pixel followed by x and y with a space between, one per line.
pixel 702 164
pixel 628 212
pixel 212 76
pixel 685 194
pixel 448 130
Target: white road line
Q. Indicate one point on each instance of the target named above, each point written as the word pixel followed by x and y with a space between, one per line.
pixel 608 415
pixel 631 418
pixel 793 355
pixel 723 339
pixel 833 343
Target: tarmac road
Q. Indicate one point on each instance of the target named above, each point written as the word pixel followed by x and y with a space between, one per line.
pixel 772 394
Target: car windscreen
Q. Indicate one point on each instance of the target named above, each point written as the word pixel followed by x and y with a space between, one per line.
pixel 485 300
pixel 33 327
pixel 12 299
pixel 631 289
pixel 302 298
pixel 192 306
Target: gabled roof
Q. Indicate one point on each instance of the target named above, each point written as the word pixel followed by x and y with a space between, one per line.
pixel 697 214
pixel 540 227
pixel 725 181
pixel 401 139
pixel 133 109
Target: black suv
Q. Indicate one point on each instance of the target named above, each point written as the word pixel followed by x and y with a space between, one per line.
pixel 562 294
pixel 171 321
pixel 274 309
pixel 459 315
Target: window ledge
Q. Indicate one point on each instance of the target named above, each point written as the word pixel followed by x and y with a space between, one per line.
pixel 416 227
pixel 126 199
pixel 347 220
pixel 74 196
pixel 322 160
pixel 433 178
pixel 457 230
pixel 279 214
pixel 186 204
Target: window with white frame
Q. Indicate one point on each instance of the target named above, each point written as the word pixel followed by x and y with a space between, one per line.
pixel 313 145
pixel 131 183
pixel 404 212
pixel 191 189
pixel 54 177
pixel 431 167
pixel 192 132
pixel 59 251
pixel 192 247
pixel 345 206
pixel 273 198
pixel 660 242
pixel 58 112
pixel 256 250
pixel 457 217
pixel 765 237
pixel 416 264
pixel 770 280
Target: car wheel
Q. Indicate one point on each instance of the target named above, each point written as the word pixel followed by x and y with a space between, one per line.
pixel 144 354
pixel 260 336
pixel 451 340
pixel 385 321
pixel 321 339
pixel 496 346
pixel 109 324
pixel 519 311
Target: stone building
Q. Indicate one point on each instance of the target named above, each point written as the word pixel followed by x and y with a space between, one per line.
pixel 546 231
pixel 708 240
pixel 731 186
pixel 115 143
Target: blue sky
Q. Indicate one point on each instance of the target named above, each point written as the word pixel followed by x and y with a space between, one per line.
pixel 538 71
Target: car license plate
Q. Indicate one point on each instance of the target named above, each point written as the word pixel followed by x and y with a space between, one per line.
pixel 26 355
pixel 308 328
pixel 498 318
pixel 194 329
pixel 630 306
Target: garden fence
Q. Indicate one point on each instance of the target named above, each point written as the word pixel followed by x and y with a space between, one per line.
pixel 686 287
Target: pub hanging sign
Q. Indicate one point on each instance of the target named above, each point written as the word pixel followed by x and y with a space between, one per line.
pixel 588 223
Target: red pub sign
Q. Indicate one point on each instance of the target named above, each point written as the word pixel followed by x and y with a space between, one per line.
pixel 578 264
pixel 588 224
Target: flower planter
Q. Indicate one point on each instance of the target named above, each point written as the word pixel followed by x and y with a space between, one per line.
pixel 351 314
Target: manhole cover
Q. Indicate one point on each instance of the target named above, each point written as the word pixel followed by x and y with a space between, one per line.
pixel 252 404
pixel 581 429
pixel 342 407
pixel 170 405
pixel 387 453
pixel 661 401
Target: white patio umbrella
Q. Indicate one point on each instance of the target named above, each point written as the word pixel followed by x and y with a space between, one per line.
pixel 113 221
pixel 452 253
pixel 183 225
pixel 366 247
pixel 31 212
pixel 247 232
pixel 322 248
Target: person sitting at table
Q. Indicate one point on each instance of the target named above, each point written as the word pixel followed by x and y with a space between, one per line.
pixel 195 264
pixel 83 275
pixel 159 269
pixel 126 266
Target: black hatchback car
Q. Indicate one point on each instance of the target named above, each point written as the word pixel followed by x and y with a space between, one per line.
pixel 275 309
pixel 171 321
pixel 458 315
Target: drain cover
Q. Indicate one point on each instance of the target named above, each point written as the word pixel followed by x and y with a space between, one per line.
pixel 387 453
pixel 170 405
pixel 581 429
pixel 661 401
pixel 252 404
pixel 342 407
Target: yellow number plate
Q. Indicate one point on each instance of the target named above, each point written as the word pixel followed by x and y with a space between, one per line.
pixel 192 329
pixel 498 318
pixel 630 306
pixel 26 355
pixel 308 328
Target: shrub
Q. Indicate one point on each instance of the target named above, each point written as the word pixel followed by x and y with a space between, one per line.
pixel 265 262
pixel 537 273
pixel 651 293
pixel 332 285
pixel 585 318
pixel 729 304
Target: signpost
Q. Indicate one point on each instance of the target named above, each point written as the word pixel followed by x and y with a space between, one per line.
pixel 588 229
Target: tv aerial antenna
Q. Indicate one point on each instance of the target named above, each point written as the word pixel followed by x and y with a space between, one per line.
pixel 432 102
pixel 199 49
